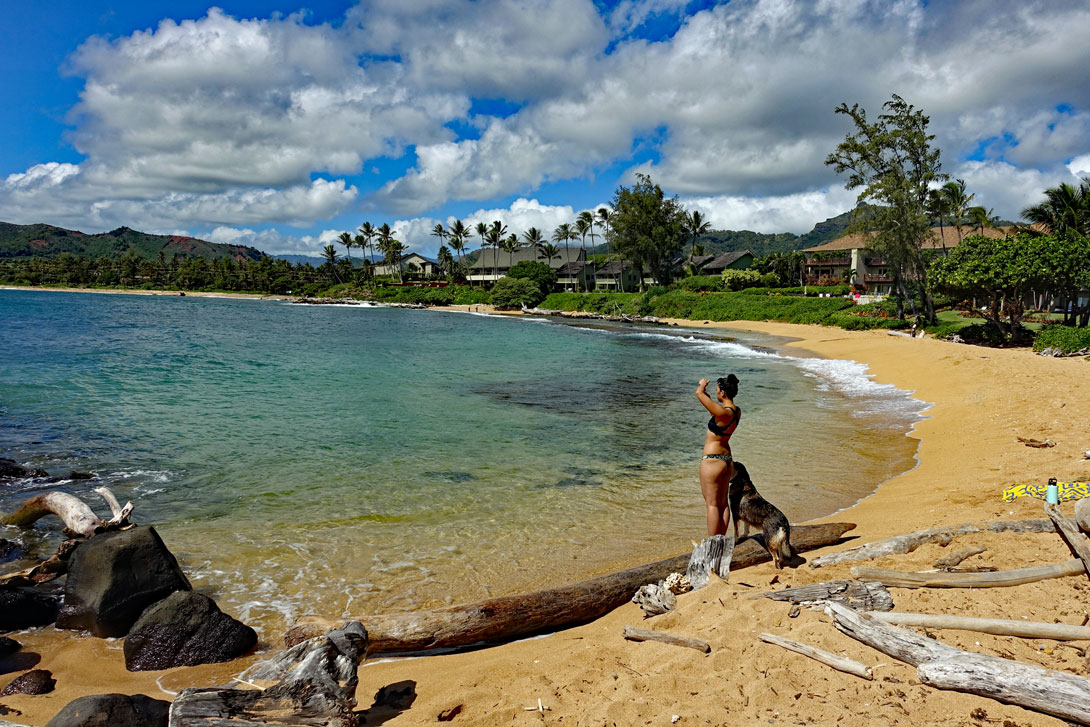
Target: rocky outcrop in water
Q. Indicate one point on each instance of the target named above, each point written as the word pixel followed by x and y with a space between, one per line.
pixel 185 629
pixel 113 577
pixel 10 551
pixel 113 710
pixel 12 470
pixel 21 608
pixel 35 681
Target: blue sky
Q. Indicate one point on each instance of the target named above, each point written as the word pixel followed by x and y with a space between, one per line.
pixel 280 124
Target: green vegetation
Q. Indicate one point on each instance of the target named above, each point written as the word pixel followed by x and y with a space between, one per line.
pixel 893 162
pixel 540 273
pixel 1066 338
pixel 25 242
pixel 647 227
pixel 510 293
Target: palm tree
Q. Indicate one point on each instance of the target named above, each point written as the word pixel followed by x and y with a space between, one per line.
pixel 330 254
pixel 563 233
pixel 957 202
pixel 458 234
pixel 367 232
pixel 348 242
pixel 439 232
pixel 981 217
pixel 583 225
pixel 938 207
pixel 603 220
pixel 549 251
pixel 533 238
pixel 1065 211
pixel 385 246
pixel 482 232
pixel 497 232
pixel 695 225
pixel 446 260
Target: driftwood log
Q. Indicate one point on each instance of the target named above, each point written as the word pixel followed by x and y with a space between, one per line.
pixel 954 559
pixel 713 555
pixel 1069 531
pixel 828 658
pixel 997 626
pixel 78 518
pixel 853 594
pixel 999 579
pixel 943 535
pixel 942 666
pixel 511 617
pixel 313 683
pixel 637 634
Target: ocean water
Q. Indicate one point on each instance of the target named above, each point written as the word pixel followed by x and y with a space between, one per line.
pixel 351 460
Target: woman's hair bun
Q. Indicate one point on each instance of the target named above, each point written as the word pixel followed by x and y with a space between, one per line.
pixel 729 385
pixel 732 379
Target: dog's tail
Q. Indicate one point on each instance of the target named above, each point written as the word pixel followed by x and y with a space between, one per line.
pixel 780 541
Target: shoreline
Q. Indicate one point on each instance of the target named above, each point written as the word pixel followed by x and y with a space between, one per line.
pixel 966 454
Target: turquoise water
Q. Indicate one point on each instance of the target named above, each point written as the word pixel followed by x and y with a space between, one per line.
pixel 346 460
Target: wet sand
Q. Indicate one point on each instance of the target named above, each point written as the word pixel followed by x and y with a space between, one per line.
pixel 982 400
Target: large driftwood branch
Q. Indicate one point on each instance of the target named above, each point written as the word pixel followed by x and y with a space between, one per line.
pixel 637 634
pixel 511 617
pixel 314 683
pixel 74 512
pixel 945 667
pixel 999 579
pixel 997 626
pixel 853 594
pixel 1069 531
pixel 944 535
pixel 713 555
pixel 828 658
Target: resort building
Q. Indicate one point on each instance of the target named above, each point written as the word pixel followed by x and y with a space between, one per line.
pixel 575 276
pixel 414 264
pixel 617 275
pixel 493 264
pixel 728 261
pixel 847 259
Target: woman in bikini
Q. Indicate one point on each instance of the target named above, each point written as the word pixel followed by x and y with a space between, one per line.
pixel 717 465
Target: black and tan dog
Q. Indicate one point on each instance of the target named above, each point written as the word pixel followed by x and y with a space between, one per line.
pixel 747 505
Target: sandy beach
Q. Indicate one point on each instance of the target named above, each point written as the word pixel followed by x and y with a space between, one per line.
pixel 968 454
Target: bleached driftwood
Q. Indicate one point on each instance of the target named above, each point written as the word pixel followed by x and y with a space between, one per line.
pixel 945 667
pixel 997 626
pixel 655 599
pixel 508 617
pixel 853 594
pixel 74 512
pixel 53 567
pixel 713 555
pixel 313 683
pixel 636 634
pixel 1069 531
pixel 954 559
pixel 943 535
pixel 998 579
pixel 78 518
pixel 1082 514
pixel 828 658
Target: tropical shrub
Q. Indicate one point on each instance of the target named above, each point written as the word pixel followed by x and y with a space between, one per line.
pixel 738 279
pixel 810 290
pixel 606 303
pixel 515 292
pixel 735 306
pixel 540 273
pixel 466 295
pixel 701 283
pixel 1066 338
pixel 770 280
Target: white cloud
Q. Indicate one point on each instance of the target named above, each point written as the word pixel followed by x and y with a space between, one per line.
pixel 273 241
pixel 1008 189
pixel 1080 165
pixel 788 213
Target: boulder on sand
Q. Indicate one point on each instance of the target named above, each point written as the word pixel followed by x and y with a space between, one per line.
pixel 35 681
pixel 113 710
pixel 113 577
pixel 185 629
pixel 21 608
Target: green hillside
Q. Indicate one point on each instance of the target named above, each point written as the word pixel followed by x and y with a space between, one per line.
pixel 21 242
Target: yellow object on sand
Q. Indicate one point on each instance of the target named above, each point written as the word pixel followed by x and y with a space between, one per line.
pixel 1068 491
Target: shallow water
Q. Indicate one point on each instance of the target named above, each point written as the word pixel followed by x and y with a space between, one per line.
pixel 346 460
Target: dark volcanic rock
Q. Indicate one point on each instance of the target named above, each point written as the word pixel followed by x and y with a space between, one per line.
pixel 113 577
pixel 113 710
pixel 10 551
pixel 36 681
pixel 22 608
pixel 77 475
pixel 12 470
pixel 8 646
pixel 185 629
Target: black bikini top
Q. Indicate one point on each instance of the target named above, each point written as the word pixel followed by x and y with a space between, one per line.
pixel 714 428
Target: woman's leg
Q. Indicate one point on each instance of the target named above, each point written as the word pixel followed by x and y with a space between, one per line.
pixel 715 494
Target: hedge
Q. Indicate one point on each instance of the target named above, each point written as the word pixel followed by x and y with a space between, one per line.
pixel 1066 338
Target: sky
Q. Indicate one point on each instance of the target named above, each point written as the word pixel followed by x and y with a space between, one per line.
pixel 282 123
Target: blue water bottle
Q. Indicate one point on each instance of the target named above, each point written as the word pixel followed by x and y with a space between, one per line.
pixel 1052 496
